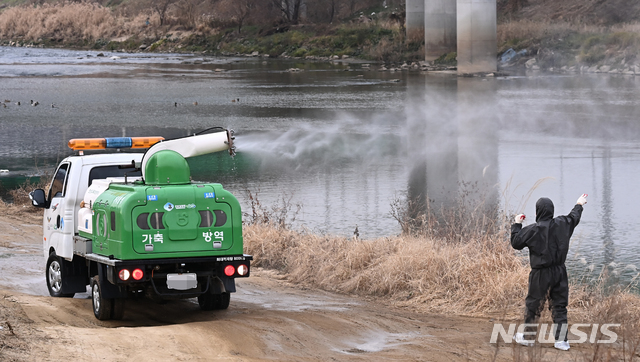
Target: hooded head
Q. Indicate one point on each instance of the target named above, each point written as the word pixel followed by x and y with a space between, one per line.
pixel 544 209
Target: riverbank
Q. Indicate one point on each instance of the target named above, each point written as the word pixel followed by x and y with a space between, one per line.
pixel 281 311
pixel 525 41
pixel 564 47
pixel 481 277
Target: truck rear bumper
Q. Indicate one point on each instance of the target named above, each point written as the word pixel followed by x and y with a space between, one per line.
pixel 213 274
pixel 199 259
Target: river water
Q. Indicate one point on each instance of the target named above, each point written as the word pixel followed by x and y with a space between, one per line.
pixel 344 141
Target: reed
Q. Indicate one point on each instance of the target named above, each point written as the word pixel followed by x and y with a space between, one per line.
pixel 60 21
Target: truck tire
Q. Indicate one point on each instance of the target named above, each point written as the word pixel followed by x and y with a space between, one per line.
pixel 117 310
pixel 102 307
pixel 54 276
pixel 209 301
pixel 222 301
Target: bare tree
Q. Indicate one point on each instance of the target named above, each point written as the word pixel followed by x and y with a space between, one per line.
pixel 238 11
pixel 290 9
pixel 242 10
pixel 187 12
pixel 325 11
pixel 161 7
pixel 332 9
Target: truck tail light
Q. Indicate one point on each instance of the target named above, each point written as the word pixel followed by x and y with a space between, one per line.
pixel 243 270
pixel 124 274
pixel 137 274
pixel 229 270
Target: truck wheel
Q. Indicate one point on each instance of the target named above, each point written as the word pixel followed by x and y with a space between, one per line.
pixel 222 301
pixel 210 301
pixel 55 280
pixel 117 311
pixel 102 307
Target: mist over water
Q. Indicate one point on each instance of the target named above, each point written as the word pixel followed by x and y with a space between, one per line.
pixel 345 142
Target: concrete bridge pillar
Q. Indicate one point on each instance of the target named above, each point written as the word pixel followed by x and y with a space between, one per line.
pixel 414 21
pixel 439 28
pixel 477 36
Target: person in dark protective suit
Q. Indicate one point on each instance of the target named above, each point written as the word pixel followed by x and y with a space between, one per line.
pixel 548 243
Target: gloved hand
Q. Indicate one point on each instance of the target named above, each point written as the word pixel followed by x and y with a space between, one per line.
pixel 582 199
pixel 520 218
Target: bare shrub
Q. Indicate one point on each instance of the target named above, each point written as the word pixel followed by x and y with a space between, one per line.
pixel 385 49
pixel 20 195
pixel 472 214
pixel 279 215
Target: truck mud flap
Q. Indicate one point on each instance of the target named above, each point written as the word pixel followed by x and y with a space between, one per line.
pixel 109 290
pixel 75 276
pixel 74 284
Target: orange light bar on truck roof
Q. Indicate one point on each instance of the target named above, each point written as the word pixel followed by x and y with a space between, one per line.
pixel 80 144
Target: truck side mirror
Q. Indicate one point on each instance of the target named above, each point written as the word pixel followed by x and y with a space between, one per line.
pixel 38 199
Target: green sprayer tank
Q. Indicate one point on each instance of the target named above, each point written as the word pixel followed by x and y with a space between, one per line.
pixel 166 215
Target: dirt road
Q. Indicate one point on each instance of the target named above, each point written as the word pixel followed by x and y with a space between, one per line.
pixel 268 319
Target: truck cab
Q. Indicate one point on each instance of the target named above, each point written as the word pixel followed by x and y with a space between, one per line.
pixel 70 182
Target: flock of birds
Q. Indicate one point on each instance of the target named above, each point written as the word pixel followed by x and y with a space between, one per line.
pixel 18 103
pixel 175 104
pixel 53 105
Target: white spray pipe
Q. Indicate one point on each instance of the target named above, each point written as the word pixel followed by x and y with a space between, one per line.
pixel 192 146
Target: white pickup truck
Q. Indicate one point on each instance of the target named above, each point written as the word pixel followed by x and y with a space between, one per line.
pixel 128 223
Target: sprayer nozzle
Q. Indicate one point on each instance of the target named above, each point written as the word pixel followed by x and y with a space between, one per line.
pixel 229 142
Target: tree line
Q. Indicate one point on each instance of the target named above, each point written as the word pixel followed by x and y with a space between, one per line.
pixel 192 14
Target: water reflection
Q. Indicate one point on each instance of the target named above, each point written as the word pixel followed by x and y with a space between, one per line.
pixel 606 210
pixel 478 147
pixel 453 148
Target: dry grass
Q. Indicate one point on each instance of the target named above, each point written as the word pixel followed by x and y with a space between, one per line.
pixel 542 29
pixel 547 29
pixel 59 21
pixel 26 213
pixel 584 11
pixel 483 277
pixel 20 203
pixel 20 195
pixel 74 23
pixel 479 277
